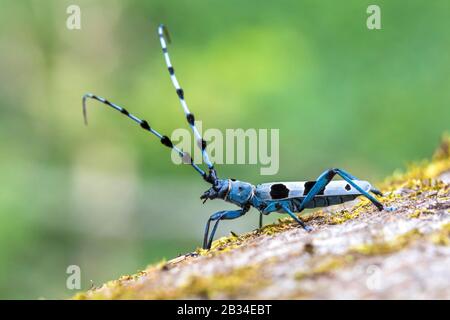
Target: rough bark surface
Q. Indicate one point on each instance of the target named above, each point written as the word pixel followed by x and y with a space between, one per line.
pixel 354 251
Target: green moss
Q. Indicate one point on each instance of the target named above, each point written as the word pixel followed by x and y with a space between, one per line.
pixel 345 215
pixel 420 212
pixel 384 247
pixel 232 284
pixel 237 282
pixel 80 296
pixel 442 237
pixel 225 244
pixel 424 170
pixel 443 152
pixel 325 265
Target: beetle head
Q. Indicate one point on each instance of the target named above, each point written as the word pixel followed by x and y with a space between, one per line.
pixel 219 190
pixel 237 192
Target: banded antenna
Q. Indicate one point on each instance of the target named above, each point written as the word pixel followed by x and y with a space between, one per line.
pixel 164 38
pixel 165 140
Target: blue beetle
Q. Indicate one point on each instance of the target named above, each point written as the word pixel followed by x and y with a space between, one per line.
pixel 282 197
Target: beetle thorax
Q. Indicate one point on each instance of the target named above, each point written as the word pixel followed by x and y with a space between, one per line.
pixel 239 192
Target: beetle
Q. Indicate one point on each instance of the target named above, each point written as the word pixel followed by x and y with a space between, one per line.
pixel 283 197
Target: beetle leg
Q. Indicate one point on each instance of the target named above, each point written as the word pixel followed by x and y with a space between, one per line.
pixel 220 215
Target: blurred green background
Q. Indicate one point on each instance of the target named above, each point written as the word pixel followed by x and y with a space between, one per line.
pixel 107 197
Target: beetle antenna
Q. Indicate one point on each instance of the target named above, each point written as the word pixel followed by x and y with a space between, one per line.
pixel 164 38
pixel 165 140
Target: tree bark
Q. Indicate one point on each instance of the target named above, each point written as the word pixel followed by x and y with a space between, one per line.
pixel 355 252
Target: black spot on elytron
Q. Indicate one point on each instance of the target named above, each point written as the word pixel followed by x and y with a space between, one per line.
pixel 321 191
pixel 124 111
pixel 279 191
pixel 190 119
pixel 309 185
pixel 145 125
pixel 166 141
pixel 347 187
pixel 171 71
pixel 180 93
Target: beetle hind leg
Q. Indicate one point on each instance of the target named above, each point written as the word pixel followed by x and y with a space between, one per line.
pixel 352 177
pixel 324 179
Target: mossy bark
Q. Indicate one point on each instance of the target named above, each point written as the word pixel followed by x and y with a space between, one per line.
pixel 354 251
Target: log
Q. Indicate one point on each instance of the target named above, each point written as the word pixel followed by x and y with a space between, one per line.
pixel 354 252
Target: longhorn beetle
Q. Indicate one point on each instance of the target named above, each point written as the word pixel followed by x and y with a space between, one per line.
pixel 282 197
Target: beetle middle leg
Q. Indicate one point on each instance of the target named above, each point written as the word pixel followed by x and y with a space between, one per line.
pixel 220 215
pixel 285 207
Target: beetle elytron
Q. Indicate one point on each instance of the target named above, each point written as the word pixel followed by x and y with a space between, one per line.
pixel 286 197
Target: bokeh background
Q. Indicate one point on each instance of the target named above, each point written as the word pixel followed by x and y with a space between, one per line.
pixel 107 197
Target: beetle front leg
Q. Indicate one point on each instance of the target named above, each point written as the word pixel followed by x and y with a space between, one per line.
pixel 220 215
